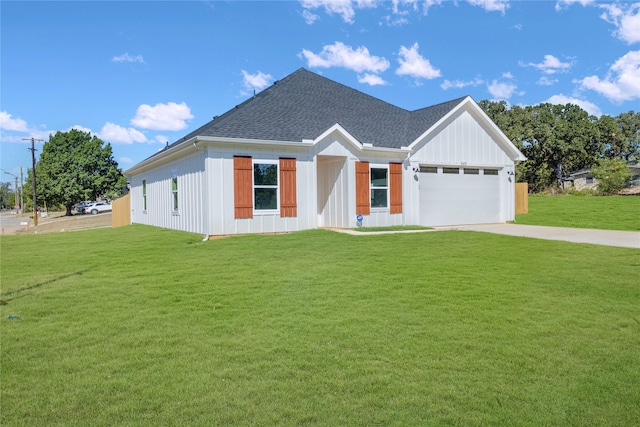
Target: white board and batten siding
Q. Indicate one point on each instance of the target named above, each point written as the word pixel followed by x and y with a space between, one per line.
pixel 220 198
pixel 189 171
pixel 465 197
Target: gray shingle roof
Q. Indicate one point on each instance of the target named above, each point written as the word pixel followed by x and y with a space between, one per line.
pixel 303 105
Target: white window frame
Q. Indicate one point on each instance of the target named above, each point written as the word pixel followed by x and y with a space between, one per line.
pixel 144 196
pixel 174 193
pixel 257 211
pixel 371 187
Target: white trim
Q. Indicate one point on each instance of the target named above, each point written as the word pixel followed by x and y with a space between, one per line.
pixel 371 187
pixel 510 149
pixel 254 186
pixel 357 144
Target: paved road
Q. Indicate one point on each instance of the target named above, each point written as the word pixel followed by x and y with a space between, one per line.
pixel 9 223
pixel 625 239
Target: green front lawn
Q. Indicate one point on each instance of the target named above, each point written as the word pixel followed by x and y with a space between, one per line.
pixel 144 326
pixel 603 212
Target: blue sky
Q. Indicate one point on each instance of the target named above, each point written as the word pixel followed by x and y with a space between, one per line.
pixel 140 74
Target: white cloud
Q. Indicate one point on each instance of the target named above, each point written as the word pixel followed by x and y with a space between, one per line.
pixel 589 107
pixel 257 81
pixel 341 55
pixel 170 116
pixel 460 84
pixel 626 20
pixel 427 4
pixel 80 128
pixel 562 4
pixel 394 20
pixel 344 8
pixel 550 65
pixel 128 58
pixel 622 82
pixel 397 4
pixel 7 122
pixel 372 80
pixel 414 65
pixel 125 160
pixel 546 81
pixel 491 5
pixel 162 139
pixel 309 17
pixel 119 135
pixel 501 90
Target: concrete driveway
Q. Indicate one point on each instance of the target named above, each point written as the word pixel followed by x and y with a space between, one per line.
pixel 625 239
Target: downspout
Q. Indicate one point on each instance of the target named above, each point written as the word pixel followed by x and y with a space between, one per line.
pixel 205 199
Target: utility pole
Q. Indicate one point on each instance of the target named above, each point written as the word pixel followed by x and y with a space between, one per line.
pixel 21 191
pixel 33 176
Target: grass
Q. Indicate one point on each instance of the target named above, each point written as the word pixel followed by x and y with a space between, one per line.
pixel 605 212
pixel 144 326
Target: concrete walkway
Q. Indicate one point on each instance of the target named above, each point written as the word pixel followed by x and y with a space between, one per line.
pixel 625 239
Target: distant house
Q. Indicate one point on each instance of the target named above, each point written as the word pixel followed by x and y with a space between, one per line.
pixel 583 179
pixel 308 152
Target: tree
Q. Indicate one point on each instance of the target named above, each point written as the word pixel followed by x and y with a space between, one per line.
pixel 76 166
pixel 6 197
pixel 626 142
pixel 613 175
pixel 556 139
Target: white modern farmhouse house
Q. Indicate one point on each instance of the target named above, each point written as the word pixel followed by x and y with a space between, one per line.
pixel 308 152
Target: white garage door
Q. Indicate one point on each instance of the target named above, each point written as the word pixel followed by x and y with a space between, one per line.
pixel 457 196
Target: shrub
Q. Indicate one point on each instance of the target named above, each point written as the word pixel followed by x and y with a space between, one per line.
pixel 613 175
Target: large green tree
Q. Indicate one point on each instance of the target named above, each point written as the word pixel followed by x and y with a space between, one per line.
pixel 556 139
pixel 76 166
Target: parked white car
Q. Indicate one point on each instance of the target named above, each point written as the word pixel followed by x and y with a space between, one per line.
pixel 98 207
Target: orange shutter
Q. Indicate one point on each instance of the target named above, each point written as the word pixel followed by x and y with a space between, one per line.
pixel 288 196
pixel 395 187
pixel 363 189
pixel 243 187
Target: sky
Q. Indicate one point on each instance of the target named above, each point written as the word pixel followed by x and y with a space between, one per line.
pixel 143 74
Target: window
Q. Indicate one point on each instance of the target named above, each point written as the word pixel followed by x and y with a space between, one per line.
pixel 428 169
pixel 470 171
pixel 491 171
pixel 265 186
pixel 379 187
pixel 174 190
pixel 144 195
pixel 455 171
pixel 589 180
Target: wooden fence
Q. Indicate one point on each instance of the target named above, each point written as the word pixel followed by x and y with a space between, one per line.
pixel 522 198
pixel 121 211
